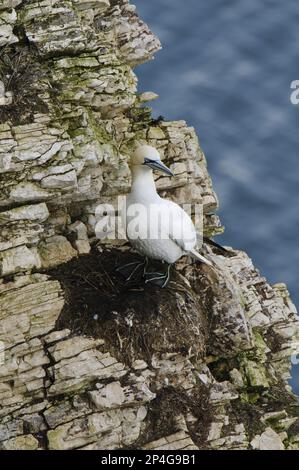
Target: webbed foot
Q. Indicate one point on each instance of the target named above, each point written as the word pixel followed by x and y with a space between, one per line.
pixel 129 270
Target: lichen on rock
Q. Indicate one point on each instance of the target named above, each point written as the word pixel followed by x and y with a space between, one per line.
pixel 89 361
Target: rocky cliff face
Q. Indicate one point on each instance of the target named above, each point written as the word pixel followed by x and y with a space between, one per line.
pixel 89 361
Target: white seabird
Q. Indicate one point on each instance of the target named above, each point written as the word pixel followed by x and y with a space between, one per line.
pixel 157 228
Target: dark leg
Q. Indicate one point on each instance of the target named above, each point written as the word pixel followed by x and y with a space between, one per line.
pixel 145 265
pixel 129 269
pixel 160 279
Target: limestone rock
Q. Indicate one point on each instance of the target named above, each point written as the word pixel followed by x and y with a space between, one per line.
pixel 27 442
pixel 269 440
pixel 18 259
pixel 8 17
pixel 55 250
pixel 177 441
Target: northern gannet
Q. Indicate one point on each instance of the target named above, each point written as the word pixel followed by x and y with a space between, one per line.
pixel 157 228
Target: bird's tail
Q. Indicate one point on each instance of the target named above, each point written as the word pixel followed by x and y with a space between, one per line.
pixel 199 257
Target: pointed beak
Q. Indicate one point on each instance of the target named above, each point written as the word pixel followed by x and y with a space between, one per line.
pixel 158 166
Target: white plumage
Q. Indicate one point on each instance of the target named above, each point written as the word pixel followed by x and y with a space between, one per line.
pixel 157 228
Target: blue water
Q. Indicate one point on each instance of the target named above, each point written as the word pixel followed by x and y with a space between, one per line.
pixel 226 68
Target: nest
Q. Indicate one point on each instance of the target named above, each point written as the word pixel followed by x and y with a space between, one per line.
pixel 135 319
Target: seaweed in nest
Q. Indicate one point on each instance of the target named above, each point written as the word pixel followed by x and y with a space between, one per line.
pixel 21 73
pixel 135 319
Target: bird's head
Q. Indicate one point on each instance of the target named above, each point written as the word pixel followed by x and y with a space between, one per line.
pixel 148 156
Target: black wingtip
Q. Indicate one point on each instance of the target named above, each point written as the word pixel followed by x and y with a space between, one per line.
pixel 208 241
